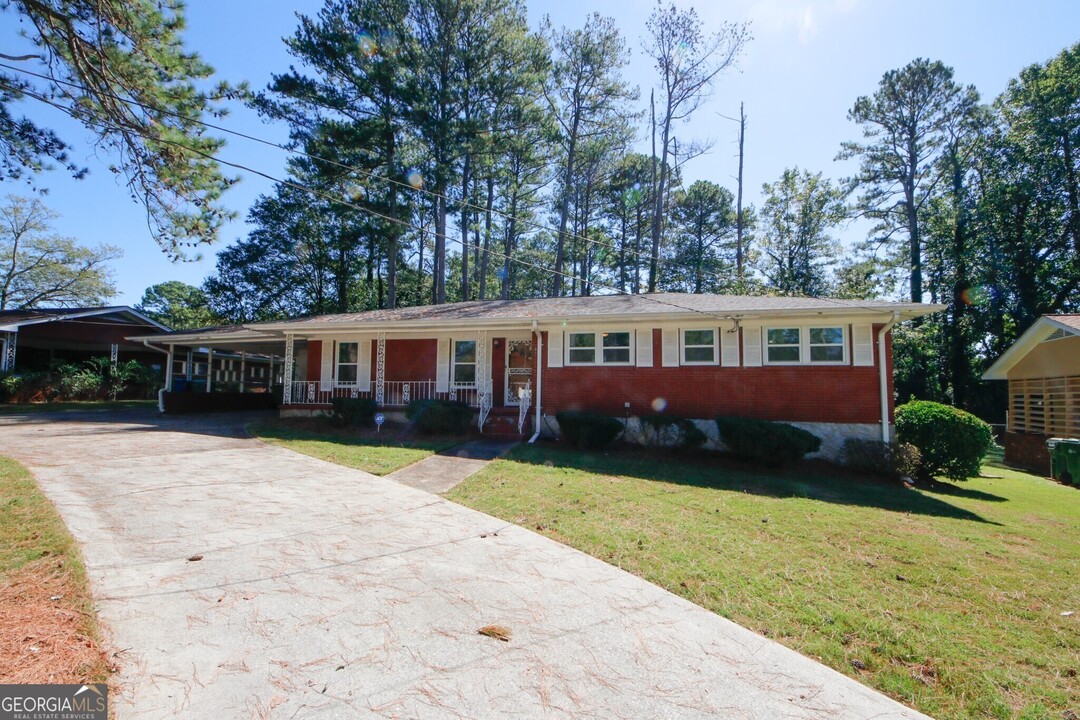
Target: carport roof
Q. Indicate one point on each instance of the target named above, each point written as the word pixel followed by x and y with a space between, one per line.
pixel 1039 331
pixel 12 320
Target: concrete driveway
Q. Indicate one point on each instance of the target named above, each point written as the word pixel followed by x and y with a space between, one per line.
pixel 324 592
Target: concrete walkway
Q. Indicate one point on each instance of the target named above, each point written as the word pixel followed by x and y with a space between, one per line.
pixel 323 592
pixel 439 473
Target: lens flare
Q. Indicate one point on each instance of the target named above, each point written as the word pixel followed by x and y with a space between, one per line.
pixel 388 42
pixel 355 192
pixel 415 179
pixel 974 295
pixel 659 404
pixel 365 41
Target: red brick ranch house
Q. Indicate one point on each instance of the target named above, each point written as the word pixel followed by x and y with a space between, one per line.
pixel 819 363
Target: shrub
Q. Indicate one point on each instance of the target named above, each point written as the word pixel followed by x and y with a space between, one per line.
pixel 951 442
pixel 353 411
pixel 769 443
pixel 895 460
pixel 664 430
pixel 588 429
pixel 439 417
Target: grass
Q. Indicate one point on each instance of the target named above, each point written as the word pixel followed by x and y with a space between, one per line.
pixel 379 453
pixel 950 598
pixel 51 407
pixel 48 630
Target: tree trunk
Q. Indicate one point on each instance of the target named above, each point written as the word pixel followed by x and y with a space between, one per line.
pixel 465 178
pixel 485 256
pixel 564 213
pixel 439 263
pixel 740 274
pixel 394 230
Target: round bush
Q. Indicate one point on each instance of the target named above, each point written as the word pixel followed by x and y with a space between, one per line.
pixel 951 442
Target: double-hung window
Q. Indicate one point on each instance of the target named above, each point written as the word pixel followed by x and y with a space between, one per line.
pixel 782 345
pixel 806 345
pixel 699 347
pixel 348 362
pixel 464 370
pixel 826 344
pixel 598 348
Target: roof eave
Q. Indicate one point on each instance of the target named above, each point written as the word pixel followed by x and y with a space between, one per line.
pixel 1038 332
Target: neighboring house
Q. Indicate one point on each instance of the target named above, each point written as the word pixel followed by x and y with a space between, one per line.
pixel 824 364
pixel 34 339
pixel 1043 370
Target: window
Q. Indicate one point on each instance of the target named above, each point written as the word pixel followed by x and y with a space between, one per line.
pixel 582 348
pixel 827 345
pixel 614 348
pixel 464 362
pixel 699 347
pixel 783 345
pixel 348 354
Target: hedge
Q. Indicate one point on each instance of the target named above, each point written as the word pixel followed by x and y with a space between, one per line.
pixel 588 429
pixel 951 442
pixel 439 417
pixel 770 443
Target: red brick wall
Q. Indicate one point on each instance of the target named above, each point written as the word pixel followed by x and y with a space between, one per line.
pixel 1027 451
pixel 408 359
pixel 314 360
pixel 831 393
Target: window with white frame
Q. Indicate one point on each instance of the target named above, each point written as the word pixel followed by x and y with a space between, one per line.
pixel 699 347
pixel 826 344
pixel 348 360
pixel 598 348
pixel 616 347
pixel 464 369
pixel 783 345
pixel 582 348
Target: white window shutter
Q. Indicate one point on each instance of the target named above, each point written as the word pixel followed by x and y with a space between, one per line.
pixel 442 369
pixel 862 341
pixel 644 347
pixel 670 347
pixel 363 365
pixel 555 348
pixel 326 381
pixel 729 348
pixel 751 337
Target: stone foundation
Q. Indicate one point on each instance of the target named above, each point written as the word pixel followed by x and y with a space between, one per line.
pixel 832 435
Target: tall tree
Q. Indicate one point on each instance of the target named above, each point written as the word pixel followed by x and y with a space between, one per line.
pixel 177 305
pixel 705 223
pixel 39 268
pixel 905 126
pixel 588 100
pixel 798 212
pixel 687 61
pixel 119 68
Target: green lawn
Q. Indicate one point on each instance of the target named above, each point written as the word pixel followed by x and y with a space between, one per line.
pixel 951 599
pixel 30 408
pixel 377 453
pixel 46 611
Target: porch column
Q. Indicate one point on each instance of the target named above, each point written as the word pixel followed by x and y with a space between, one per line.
pixel 169 370
pixel 189 366
pixel 7 359
pixel 243 370
pixel 270 377
pixel 380 369
pixel 209 368
pixel 286 379
pixel 114 354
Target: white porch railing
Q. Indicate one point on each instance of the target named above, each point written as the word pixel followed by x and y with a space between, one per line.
pixel 396 393
pixel 524 402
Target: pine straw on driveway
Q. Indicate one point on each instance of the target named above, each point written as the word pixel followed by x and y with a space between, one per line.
pixel 48 632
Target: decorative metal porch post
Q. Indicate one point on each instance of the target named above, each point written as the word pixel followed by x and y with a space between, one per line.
pixel 483 378
pixel 114 354
pixel 380 369
pixel 209 368
pixel 286 379
pixel 243 370
pixel 7 360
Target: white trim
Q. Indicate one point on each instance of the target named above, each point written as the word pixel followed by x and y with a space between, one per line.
pixel 337 364
pixel 804 345
pixel 475 363
pixel 1039 331
pixel 598 347
pixel 683 346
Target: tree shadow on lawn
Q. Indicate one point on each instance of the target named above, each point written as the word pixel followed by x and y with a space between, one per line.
pixel 815 480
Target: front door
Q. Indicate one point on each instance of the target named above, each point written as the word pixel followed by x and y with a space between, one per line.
pixel 519 369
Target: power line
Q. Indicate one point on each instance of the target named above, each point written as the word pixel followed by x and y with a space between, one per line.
pixel 351 168
pixel 330 196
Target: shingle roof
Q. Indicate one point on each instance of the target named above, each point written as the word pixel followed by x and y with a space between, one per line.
pixel 12 319
pixel 609 305
pixel 1072 321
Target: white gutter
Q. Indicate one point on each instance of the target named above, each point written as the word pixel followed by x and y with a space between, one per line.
pixel 539 377
pixel 884 375
pixel 168 375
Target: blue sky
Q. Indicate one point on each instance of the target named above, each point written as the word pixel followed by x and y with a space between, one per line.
pixel 807 63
